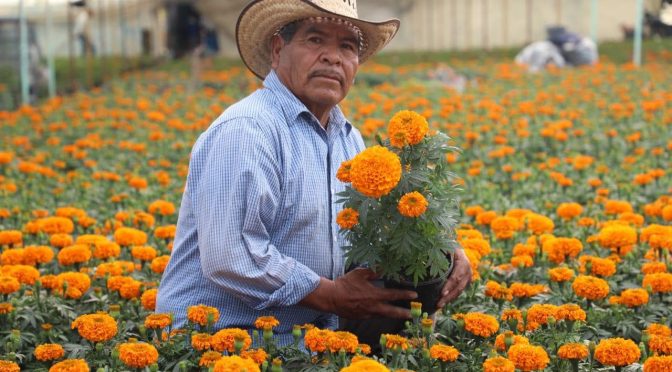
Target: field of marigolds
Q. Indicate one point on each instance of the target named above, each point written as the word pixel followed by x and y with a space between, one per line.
pixel 566 220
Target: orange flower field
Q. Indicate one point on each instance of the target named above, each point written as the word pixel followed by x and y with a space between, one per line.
pixel 566 220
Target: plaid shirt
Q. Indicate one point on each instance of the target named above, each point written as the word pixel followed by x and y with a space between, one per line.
pixel 257 223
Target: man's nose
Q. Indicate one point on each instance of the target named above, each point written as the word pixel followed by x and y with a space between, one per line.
pixel 331 54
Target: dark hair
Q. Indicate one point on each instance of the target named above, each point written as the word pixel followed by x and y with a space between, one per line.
pixel 288 31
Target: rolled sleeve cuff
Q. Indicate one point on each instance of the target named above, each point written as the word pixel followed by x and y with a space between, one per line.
pixel 301 282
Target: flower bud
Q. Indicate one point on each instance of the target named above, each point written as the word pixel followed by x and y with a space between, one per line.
pixel 416 309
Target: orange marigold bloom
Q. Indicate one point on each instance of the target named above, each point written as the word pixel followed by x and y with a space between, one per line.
pixel 315 339
pixel 159 264
pixel 130 290
pixel 617 207
pixel 138 354
pixel 224 340
pixel 70 365
pixel 162 207
pixel 6 308
pixel 128 236
pixel 142 219
pixel 654 267
pixel 407 127
pixel 98 327
pixel 199 314
pixel 590 287
pixel 661 344
pixel 528 357
pixel 47 352
pixel 498 291
pixel 343 173
pixel 37 254
pixel 658 329
pixel 61 240
pixel 479 245
pixel 522 261
pixel 658 364
pixel 573 351
pixel 365 365
pixel 480 324
pixel 48 281
pixel 498 364
pixel 114 283
pixel 23 273
pixel 412 204
pixel 521 290
pixel 444 353
pixel 209 358
pixel 8 366
pixel 234 363
pixel 77 280
pixel 148 299
pixel 616 237
pixel 474 210
pixel 201 341
pixel 560 274
pixel 375 171
pixel 8 284
pixel 74 254
pixel 659 282
pixel 538 224
pixel 571 312
pixel 395 342
pixel 12 256
pixel 539 314
pixel 486 217
pixel 158 321
pixel 265 322
pixel 165 232
pixel 347 218
pixel 11 237
pixel 504 227
pixel 143 252
pixel 617 352
pixel 105 249
pixel 508 337
pixel 257 355
pixel 568 211
pixel 598 266
pixel 634 297
pixel 559 249
pixel 55 225
pixel 340 340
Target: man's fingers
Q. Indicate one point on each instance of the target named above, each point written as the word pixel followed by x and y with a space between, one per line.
pixel 391 311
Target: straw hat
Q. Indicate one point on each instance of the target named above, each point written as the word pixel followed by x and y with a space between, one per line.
pixel 262 18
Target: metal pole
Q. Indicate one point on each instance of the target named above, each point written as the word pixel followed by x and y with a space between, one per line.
pixel 593 20
pixel 637 53
pixel 23 55
pixel 50 50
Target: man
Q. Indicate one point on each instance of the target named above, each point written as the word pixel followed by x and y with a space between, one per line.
pixel 256 232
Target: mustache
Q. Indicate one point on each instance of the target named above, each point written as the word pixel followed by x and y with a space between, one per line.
pixel 327 73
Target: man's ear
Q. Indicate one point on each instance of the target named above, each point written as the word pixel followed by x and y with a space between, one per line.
pixel 277 43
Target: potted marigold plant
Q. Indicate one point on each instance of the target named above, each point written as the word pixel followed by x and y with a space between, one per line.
pixel 400 208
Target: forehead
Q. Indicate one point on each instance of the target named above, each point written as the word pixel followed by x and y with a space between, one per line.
pixel 337 28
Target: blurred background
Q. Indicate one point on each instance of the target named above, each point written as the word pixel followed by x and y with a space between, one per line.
pixel 49 47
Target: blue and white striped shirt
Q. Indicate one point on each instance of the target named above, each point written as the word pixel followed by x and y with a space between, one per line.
pixel 257 224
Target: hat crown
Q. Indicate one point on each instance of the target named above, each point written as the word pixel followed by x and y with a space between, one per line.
pixel 346 8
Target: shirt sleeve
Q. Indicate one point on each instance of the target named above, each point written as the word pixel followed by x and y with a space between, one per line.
pixel 236 201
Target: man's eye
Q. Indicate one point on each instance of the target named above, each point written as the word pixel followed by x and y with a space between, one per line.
pixel 349 47
pixel 315 40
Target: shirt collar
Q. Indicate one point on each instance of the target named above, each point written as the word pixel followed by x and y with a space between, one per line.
pixel 293 107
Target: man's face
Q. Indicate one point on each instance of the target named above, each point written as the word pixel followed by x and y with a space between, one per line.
pixel 319 64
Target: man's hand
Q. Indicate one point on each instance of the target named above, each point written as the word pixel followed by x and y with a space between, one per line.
pixel 353 296
pixel 458 280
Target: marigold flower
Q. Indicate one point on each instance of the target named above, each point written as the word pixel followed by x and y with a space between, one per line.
pixel 138 354
pixel 617 207
pixel 407 127
pixel 658 282
pixel 264 322
pixel 444 353
pixel 375 171
pixel 165 232
pixel 571 312
pixel 70 365
pixel 501 340
pixel 602 267
pixel 504 227
pixel 143 252
pixel 528 357
pixel 8 366
pixel 395 342
pixel 105 249
pixel 538 224
pixel 61 240
pixel 48 281
pixel 560 274
pixel 365 365
pixel 127 236
pixel 11 237
pixel 114 283
pixel 74 254
pixel 98 327
pixel 559 249
pixel 160 263
pixel 480 324
pixel 539 314
pixel 634 297
pixel 6 308
pixel 209 358
pixel 343 173
pixel 130 290
pixel 616 237
pixel 590 287
pixel 568 211
pixel 201 341
pixel 148 299
pixel 47 352
pixel 522 290
pixel 573 351
pixel 23 273
pixel 12 256
pixel 347 218
pixel 234 363
pixel 257 355
pixel 498 291
pixel 158 321
pixel 162 207
pixel 33 255
pixel 486 217
pixel 498 364
pixel 661 344
pixel 617 352
pixel 412 204
pixel 658 329
pixel 77 280
pixel 658 364
pixel 340 340
pixel 522 261
pixel 8 284
pixel 315 339
pixel 55 225
pixel 199 314
pixel 224 340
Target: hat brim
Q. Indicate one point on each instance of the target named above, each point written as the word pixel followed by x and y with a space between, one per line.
pixel 262 18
